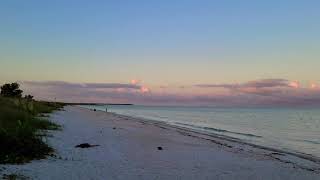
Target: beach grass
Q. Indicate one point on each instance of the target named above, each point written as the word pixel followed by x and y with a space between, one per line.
pixel 22 129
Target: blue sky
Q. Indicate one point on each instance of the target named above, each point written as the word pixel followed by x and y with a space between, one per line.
pixel 161 43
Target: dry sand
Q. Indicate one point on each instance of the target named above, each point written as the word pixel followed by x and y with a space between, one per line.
pixel 128 149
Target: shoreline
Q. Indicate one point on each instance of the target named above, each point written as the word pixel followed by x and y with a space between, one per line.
pixel 128 150
pixel 276 140
pixel 309 157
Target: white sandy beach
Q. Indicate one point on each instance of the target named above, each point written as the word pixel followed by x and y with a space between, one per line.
pixel 128 150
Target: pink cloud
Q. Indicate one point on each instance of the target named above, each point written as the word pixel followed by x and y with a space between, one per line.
pixel 144 89
pixel 135 81
pixel 294 84
pixel 314 86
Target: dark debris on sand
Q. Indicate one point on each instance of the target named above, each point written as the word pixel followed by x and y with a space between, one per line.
pixel 85 145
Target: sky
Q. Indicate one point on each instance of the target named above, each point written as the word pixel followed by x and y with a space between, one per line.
pixel 197 52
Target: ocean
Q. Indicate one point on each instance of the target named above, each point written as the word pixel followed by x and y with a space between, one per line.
pixel 289 129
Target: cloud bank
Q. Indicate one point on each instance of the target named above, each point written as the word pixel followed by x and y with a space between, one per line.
pixel 262 83
pixel 63 84
pixel 264 87
pixel 263 92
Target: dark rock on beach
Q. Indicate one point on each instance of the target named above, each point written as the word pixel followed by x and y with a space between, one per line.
pixel 85 145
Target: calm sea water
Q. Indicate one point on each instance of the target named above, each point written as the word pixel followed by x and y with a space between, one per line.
pixel 296 130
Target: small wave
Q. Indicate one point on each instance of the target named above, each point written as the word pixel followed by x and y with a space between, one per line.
pixel 215 129
pixel 309 141
pixel 189 125
pixel 219 130
pixel 313 142
pixel 161 117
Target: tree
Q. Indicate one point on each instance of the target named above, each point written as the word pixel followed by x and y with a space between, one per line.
pixel 28 97
pixel 11 90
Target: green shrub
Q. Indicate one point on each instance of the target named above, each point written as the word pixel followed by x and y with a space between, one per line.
pixel 21 131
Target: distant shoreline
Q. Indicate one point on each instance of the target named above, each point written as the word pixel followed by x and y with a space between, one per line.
pixel 99 104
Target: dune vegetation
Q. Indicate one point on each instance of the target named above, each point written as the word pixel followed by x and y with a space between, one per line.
pixel 23 126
